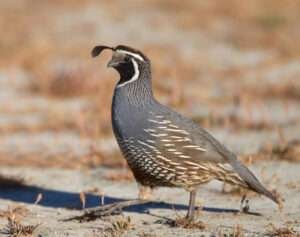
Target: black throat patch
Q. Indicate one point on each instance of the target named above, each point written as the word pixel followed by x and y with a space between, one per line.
pixel 126 71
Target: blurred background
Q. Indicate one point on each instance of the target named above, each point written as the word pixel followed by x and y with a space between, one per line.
pixel 233 66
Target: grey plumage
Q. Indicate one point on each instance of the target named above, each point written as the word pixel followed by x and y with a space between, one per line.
pixel 162 147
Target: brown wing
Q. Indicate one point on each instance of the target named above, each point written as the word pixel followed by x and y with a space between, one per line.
pixel 190 155
pixel 178 143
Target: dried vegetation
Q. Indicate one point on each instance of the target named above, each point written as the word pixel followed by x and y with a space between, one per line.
pixel 54 74
pixel 287 231
pixel 14 227
pixel 118 227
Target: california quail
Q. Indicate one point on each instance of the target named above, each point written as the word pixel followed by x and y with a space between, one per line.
pixel 163 148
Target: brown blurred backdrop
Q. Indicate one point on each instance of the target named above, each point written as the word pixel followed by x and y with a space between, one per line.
pixel 233 66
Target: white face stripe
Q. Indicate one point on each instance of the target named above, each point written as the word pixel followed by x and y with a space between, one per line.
pixel 135 76
pixel 135 55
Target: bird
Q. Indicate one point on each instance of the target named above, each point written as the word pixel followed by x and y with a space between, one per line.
pixel 162 147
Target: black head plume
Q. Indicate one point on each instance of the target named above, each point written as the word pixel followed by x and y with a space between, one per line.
pixel 98 49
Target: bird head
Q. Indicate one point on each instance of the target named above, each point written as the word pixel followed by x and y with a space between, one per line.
pixel 130 63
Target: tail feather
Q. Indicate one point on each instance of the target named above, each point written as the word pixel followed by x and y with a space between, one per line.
pixel 248 177
pixel 253 183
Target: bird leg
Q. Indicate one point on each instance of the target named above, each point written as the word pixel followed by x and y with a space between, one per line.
pixel 145 192
pixel 244 207
pixel 191 212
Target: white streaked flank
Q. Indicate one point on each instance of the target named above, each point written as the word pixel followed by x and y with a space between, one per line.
pixel 176 137
pixel 184 156
pixel 159 135
pixel 147 145
pixel 159 122
pixel 173 126
pixel 178 153
pixel 149 130
pixel 195 147
pixel 191 163
pixel 169 144
pixel 166 140
pixel 177 130
pixel 163 158
pixel 171 150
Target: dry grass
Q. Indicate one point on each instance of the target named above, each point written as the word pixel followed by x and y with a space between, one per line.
pixel 289 151
pixel 144 234
pixel 234 122
pixel 118 227
pixel 186 224
pixel 54 74
pixel 16 229
pixel 67 79
pixel 286 231
pixel 183 222
pixel 269 24
pixel 17 212
pixel 287 89
pixel 235 231
pixel 65 160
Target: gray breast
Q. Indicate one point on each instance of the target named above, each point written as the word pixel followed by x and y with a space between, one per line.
pixel 131 125
pixel 162 148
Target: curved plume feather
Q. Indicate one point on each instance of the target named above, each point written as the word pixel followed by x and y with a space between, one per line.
pixel 98 49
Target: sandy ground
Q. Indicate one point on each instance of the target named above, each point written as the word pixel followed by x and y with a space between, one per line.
pixel 61 188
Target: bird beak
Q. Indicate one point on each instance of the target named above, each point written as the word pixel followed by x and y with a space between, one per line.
pixel 116 60
pixel 113 63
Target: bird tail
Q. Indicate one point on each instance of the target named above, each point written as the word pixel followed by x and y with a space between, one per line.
pixel 254 184
pixel 248 177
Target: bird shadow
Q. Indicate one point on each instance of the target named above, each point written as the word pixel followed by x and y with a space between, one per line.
pixel 71 200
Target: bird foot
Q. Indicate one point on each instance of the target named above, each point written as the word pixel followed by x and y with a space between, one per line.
pixel 244 206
